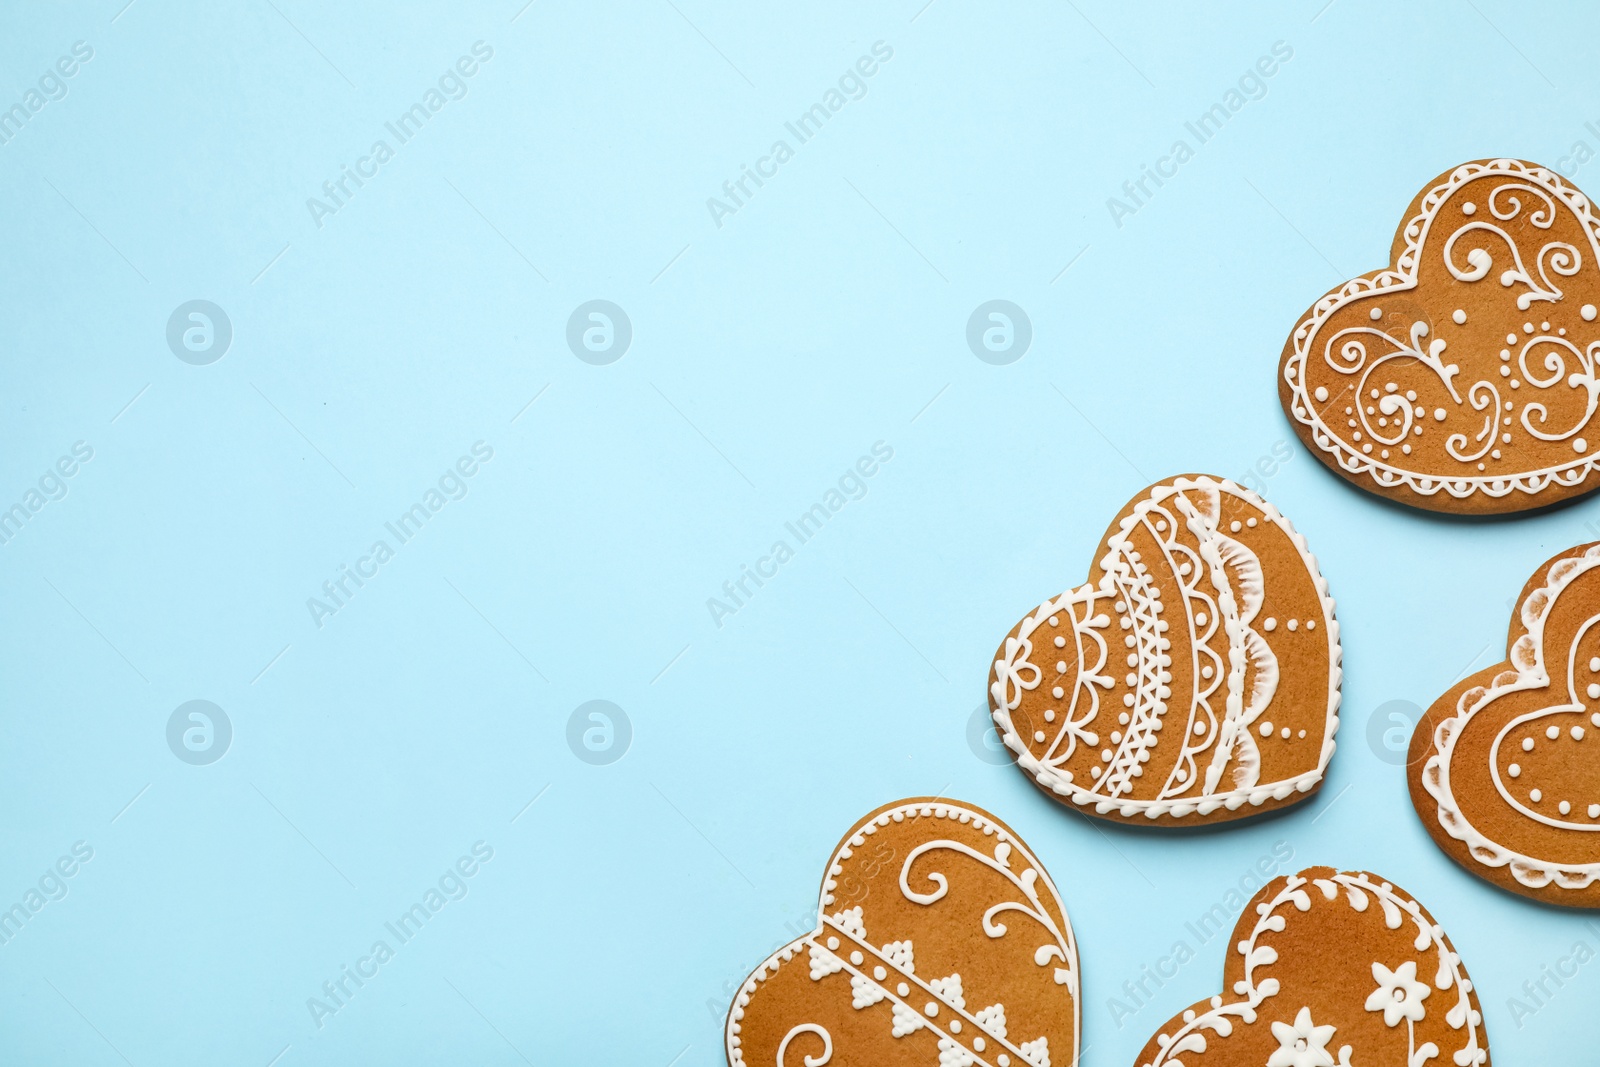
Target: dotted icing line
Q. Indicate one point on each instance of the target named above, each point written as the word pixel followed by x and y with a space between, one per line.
pixel 1528 672
pixel 1402 278
pixel 1188 1038
pixel 1060 784
pixel 899 813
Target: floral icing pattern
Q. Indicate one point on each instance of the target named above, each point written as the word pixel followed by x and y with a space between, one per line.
pixel 1462 377
pixel 1302 1043
pixel 1197 677
pixel 1499 768
pixel 1330 969
pixel 940 942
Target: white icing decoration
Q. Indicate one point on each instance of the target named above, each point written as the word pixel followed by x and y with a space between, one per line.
pixel 808 1028
pixel 1303 1038
pixel 1528 672
pixel 900 955
pixel 950 990
pixel 1399 996
pixel 865 992
pixel 1540 279
pixel 1303 1044
pixel 1059 949
pixel 1221 711
pixel 824 963
pixel 906 1020
pixel 954 1055
pixel 850 922
pixel 993 1019
pixel 1010 859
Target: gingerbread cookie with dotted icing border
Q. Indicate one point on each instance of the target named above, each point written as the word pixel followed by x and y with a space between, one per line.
pixel 940 939
pixel 1501 769
pixel 1331 969
pixel 1194 678
pixel 1462 377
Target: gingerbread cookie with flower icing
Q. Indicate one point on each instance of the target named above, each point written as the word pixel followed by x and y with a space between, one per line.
pixel 1504 768
pixel 1462 377
pixel 940 939
pixel 1331 969
pixel 1194 678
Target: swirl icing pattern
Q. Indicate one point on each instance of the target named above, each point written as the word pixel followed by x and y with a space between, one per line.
pixel 1195 677
pixel 1331 969
pixel 940 942
pixel 1504 771
pixel 1462 377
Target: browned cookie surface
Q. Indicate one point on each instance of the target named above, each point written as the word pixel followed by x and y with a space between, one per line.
pixel 940 939
pixel 1331 969
pixel 1461 378
pixel 1195 676
pixel 1504 768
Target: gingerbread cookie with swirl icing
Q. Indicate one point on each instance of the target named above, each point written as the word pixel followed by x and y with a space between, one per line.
pixel 1193 679
pixel 940 939
pixel 1462 378
pixel 1504 768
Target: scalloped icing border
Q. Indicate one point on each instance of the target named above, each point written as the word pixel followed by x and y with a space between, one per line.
pixel 1401 277
pixel 854 840
pixel 1527 870
pixel 1356 884
pixel 1257 795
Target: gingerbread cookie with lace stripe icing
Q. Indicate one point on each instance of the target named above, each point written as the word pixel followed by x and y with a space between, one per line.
pixel 1462 377
pixel 940 939
pixel 1331 969
pixel 1504 768
pixel 1194 678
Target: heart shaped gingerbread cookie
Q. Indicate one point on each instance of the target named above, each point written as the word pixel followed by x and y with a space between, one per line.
pixel 1462 377
pixel 1194 678
pixel 939 940
pixel 1501 767
pixel 1331 969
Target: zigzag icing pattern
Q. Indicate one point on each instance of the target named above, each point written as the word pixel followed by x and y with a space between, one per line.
pixel 972 1036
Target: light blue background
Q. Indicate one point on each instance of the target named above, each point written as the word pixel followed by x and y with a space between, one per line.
pixel 622 908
